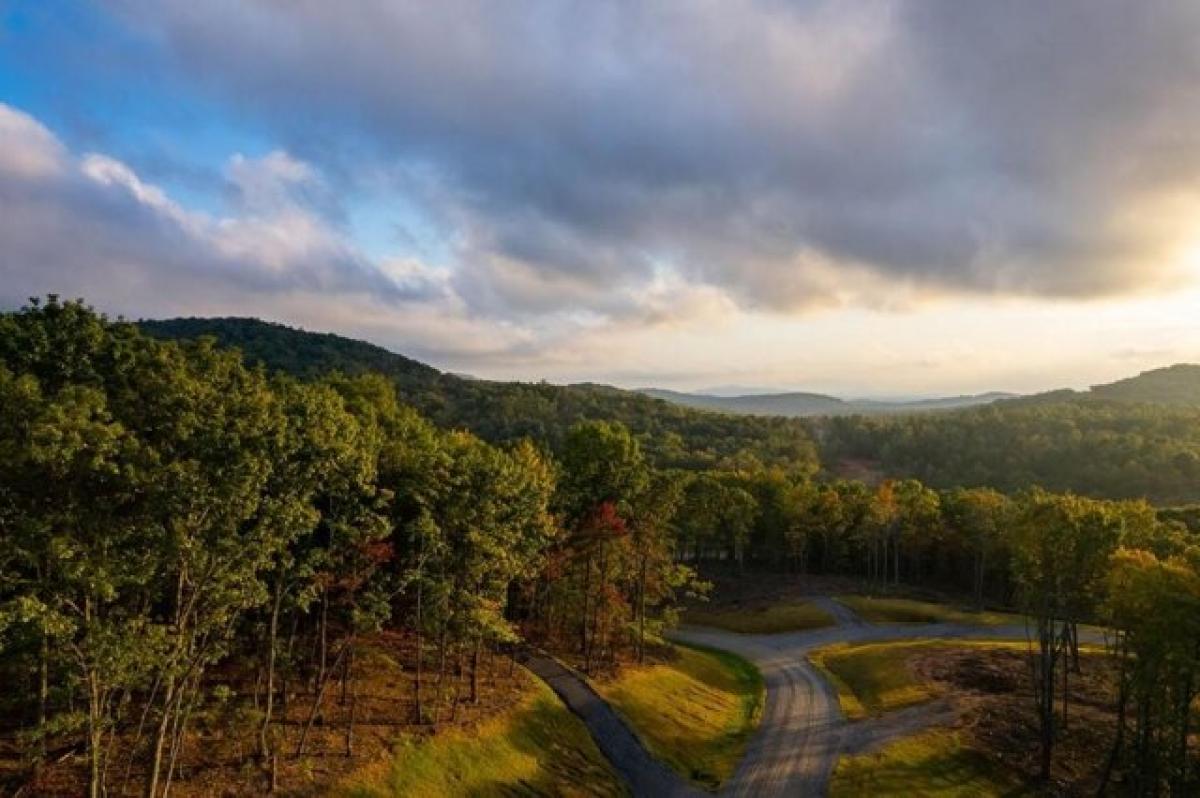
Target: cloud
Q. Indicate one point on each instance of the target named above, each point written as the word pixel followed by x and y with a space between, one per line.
pixel 28 151
pixel 790 154
pixel 89 225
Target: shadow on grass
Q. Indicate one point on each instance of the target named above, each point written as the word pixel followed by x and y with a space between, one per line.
pixel 538 749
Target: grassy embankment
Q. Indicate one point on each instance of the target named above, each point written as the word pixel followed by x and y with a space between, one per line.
pixel 872 678
pixel 933 764
pixel 695 713
pixel 536 748
pixel 793 616
pixel 901 610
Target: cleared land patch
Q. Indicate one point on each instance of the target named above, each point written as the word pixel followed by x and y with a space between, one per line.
pixel 695 712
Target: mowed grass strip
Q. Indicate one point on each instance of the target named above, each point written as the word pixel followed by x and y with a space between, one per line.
pixel 932 764
pixel 788 617
pixel 536 748
pixel 901 610
pixel 696 713
pixel 872 678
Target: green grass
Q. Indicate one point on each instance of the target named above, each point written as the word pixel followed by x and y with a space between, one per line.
pixel 933 764
pixel 872 678
pixel 696 713
pixel 900 610
pixel 538 748
pixel 790 617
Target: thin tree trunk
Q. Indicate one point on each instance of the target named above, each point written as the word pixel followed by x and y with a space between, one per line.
pixel 180 731
pixel 316 704
pixel 160 737
pixel 1115 752
pixel 95 735
pixel 353 704
pixel 264 746
pixel 587 597
pixel 420 651
pixel 323 638
pixel 441 671
pixel 475 671
pixel 642 612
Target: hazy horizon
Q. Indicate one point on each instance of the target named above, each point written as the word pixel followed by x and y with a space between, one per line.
pixel 893 198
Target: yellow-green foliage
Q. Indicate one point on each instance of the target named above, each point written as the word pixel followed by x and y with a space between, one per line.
pixel 898 610
pixel 696 713
pixel 872 677
pixel 538 748
pixel 791 617
pixel 933 764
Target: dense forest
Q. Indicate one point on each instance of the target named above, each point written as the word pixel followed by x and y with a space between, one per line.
pixel 1096 447
pixel 193 548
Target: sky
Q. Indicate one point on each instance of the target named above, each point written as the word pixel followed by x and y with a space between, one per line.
pixel 896 198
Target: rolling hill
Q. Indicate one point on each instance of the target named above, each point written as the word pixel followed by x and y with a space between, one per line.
pixel 672 436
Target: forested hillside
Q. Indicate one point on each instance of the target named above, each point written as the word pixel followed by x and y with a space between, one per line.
pixel 1091 446
pixel 506 411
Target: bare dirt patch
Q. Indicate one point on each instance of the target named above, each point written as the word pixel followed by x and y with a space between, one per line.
pixel 991 687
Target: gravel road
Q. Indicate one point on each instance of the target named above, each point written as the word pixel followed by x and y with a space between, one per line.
pixel 802 732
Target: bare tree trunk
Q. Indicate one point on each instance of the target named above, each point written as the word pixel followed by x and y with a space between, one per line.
pixel 264 747
pixel 316 704
pixel 441 671
pixel 420 651
pixel 95 737
pixel 1066 691
pixel 587 597
pixel 160 738
pixel 475 671
pixel 642 612
pixel 1122 701
pixel 181 722
pixel 896 561
pixel 353 704
pixel 323 638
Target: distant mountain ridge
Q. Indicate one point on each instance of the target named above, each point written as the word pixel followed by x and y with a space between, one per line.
pixel 799 404
pixel 310 354
pixel 1177 386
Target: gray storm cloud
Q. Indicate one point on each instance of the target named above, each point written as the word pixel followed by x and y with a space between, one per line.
pixel 760 146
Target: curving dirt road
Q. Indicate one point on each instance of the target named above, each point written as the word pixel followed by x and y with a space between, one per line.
pixel 803 731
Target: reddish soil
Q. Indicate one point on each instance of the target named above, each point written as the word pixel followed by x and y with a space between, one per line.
pixel 992 689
